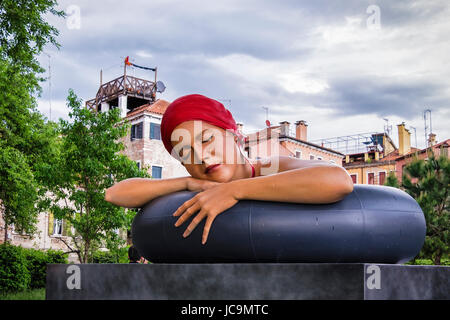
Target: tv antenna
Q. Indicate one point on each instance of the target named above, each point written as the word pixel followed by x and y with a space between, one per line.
pixel 425 118
pixel 387 127
pixel 415 133
pixel 49 78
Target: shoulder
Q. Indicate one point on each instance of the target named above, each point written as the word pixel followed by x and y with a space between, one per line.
pixel 277 163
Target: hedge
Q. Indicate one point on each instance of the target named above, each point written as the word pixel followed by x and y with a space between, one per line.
pixel 14 275
pixel 23 268
pixel 118 256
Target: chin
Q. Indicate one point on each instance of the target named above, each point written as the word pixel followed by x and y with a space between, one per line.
pixel 223 174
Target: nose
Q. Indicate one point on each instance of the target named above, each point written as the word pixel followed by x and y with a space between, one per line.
pixel 201 156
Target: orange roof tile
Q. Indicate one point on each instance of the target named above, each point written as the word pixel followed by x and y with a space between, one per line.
pixel 159 107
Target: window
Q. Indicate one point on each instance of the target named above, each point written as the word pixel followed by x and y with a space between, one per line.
pixel 57 227
pixel 138 163
pixel 311 157
pixel 354 178
pixel 370 178
pixel 156 172
pixel 382 177
pixel 319 158
pixel 155 131
pixel 136 131
pixel 298 154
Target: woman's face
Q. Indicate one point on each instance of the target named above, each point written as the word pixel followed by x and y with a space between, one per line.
pixel 201 145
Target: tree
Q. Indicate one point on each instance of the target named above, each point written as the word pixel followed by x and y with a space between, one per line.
pixel 25 138
pixel 428 183
pixel 90 161
pixel 392 180
pixel 24 32
pixel 431 192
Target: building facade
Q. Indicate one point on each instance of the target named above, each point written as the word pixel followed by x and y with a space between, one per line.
pixel 375 165
pixel 284 141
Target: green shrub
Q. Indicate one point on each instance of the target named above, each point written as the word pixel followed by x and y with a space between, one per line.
pixel 23 268
pixel 118 256
pixel 14 275
pixel 37 261
pixel 56 256
pixel 37 265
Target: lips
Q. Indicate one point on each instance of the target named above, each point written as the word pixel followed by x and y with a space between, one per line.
pixel 211 168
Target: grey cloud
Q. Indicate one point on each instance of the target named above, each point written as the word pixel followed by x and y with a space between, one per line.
pixel 181 35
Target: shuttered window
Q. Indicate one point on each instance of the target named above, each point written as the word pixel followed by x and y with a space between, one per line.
pixel 155 131
pixel 382 177
pixel 136 131
pixel 371 178
pixel 156 172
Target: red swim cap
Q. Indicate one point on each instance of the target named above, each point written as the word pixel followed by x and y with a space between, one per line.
pixel 194 107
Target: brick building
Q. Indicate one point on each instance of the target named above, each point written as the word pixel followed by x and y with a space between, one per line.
pixel 374 165
pixel 287 141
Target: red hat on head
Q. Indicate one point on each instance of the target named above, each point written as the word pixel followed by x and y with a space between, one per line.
pixel 194 107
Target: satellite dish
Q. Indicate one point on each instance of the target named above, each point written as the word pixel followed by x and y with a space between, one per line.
pixel 160 87
pixel 268 123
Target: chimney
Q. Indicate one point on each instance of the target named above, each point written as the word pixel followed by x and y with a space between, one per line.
pixel 404 139
pixel 431 139
pixel 301 130
pixel 284 128
pixel 240 127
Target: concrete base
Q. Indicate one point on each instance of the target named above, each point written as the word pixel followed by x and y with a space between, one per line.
pixel 258 281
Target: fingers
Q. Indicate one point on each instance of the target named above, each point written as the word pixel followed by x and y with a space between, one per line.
pixel 184 206
pixel 194 223
pixel 187 214
pixel 209 221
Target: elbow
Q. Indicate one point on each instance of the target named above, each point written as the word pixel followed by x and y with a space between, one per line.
pixel 348 188
pixel 345 185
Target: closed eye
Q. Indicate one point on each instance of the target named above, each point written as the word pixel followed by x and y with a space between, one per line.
pixel 209 139
pixel 188 153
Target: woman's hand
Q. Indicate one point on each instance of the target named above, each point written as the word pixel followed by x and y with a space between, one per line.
pixel 194 184
pixel 210 203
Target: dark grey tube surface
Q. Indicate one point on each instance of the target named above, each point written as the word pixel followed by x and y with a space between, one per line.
pixel 373 224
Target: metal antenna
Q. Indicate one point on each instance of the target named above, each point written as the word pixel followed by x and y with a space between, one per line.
pixel 49 83
pixel 426 125
pixel 267 112
pixel 415 133
pixel 387 127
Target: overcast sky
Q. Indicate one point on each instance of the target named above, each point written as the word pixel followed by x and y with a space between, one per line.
pixel 342 68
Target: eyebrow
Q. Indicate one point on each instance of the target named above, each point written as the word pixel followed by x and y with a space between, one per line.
pixel 199 135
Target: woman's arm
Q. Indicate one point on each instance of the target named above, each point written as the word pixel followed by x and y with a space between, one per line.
pixel 135 192
pixel 299 181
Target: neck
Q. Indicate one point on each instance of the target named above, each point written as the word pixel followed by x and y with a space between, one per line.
pixel 244 169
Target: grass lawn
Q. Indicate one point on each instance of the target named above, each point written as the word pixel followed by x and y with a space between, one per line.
pixel 35 294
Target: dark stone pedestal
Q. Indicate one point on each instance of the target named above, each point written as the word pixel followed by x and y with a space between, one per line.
pixel 258 281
